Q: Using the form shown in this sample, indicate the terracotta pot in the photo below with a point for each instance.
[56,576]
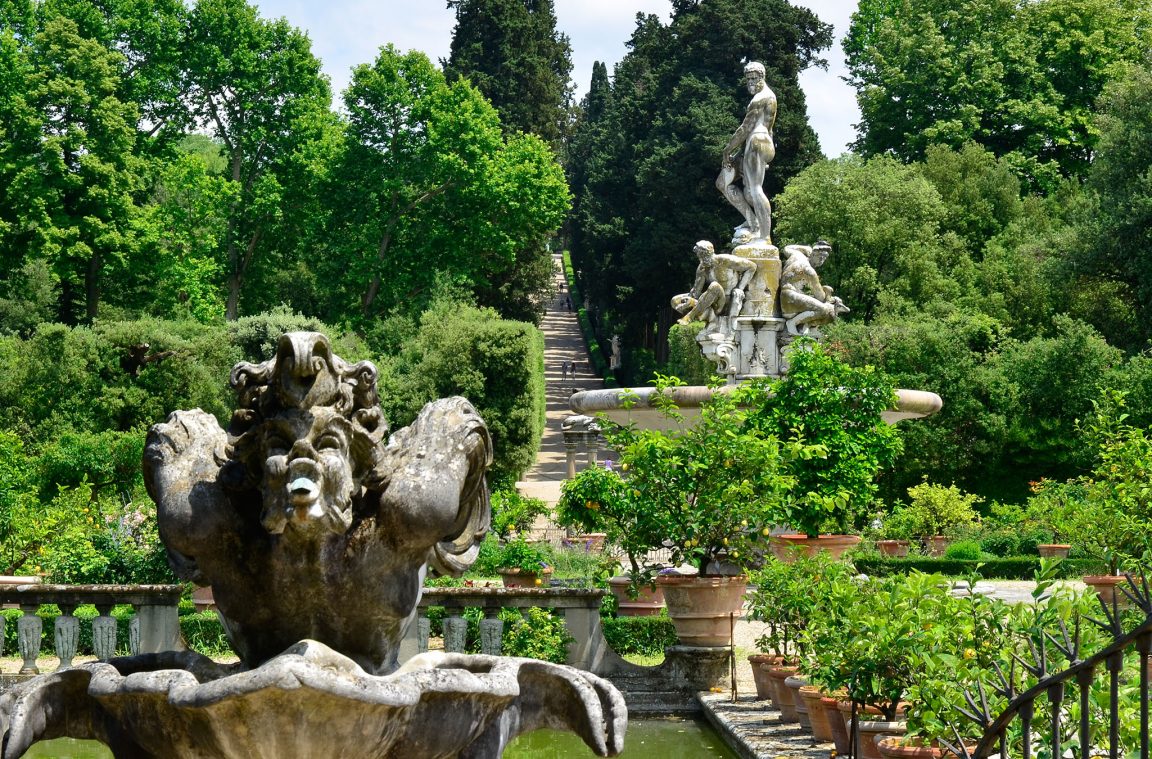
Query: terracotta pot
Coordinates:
[817,715]
[647,604]
[863,714]
[870,732]
[518,578]
[787,547]
[784,702]
[795,683]
[836,725]
[760,664]
[897,548]
[203,599]
[895,748]
[703,609]
[938,544]
[1106,587]
[1053,550]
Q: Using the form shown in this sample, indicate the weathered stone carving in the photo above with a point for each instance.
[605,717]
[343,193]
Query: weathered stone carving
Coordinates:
[315,529]
[805,303]
[305,522]
[751,305]
[719,289]
[753,144]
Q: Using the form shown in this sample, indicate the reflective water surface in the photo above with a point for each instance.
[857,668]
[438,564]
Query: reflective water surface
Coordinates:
[646,739]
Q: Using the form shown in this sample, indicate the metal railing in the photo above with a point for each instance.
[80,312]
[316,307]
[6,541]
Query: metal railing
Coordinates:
[1015,727]
[155,626]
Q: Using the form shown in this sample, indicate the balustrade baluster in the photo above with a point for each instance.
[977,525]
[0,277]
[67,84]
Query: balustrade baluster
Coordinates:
[491,632]
[3,622]
[423,631]
[1084,680]
[29,628]
[455,631]
[66,634]
[104,633]
[134,634]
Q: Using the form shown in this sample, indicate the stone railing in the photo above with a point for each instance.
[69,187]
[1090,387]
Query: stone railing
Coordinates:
[154,628]
[579,607]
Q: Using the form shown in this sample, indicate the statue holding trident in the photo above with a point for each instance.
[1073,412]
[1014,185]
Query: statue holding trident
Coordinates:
[753,138]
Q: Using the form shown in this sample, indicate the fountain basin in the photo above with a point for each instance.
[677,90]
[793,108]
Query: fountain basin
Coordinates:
[623,405]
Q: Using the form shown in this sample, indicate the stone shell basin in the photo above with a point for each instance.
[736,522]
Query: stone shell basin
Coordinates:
[613,403]
[311,701]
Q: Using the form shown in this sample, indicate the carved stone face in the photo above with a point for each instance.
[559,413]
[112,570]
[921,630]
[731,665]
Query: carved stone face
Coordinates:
[309,477]
[819,256]
[754,81]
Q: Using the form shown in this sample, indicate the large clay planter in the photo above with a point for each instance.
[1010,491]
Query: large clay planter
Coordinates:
[813,699]
[760,664]
[915,748]
[784,701]
[203,599]
[787,547]
[897,548]
[703,609]
[518,578]
[870,732]
[865,715]
[647,604]
[1053,550]
[1106,587]
[938,545]
[836,725]
[794,684]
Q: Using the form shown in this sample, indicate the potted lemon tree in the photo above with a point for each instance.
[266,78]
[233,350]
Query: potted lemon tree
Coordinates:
[707,491]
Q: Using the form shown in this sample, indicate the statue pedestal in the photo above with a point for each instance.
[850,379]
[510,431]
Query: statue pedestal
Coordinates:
[747,347]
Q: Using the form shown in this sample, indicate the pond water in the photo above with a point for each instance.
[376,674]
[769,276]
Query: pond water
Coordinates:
[646,739]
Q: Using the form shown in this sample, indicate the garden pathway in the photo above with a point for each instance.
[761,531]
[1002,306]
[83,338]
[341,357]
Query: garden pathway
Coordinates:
[563,343]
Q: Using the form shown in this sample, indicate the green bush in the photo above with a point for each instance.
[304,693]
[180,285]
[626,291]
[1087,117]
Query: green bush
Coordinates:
[496,364]
[648,636]
[537,634]
[964,550]
[203,632]
[514,513]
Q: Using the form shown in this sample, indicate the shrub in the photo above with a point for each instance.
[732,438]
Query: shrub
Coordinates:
[964,550]
[203,632]
[1013,568]
[933,510]
[648,636]
[538,634]
[514,513]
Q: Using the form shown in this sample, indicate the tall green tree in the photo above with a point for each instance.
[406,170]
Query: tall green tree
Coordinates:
[1116,233]
[255,85]
[652,159]
[1019,78]
[512,52]
[428,192]
[68,165]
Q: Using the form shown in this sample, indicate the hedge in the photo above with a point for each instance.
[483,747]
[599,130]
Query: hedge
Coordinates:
[595,351]
[1013,568]
[648,636]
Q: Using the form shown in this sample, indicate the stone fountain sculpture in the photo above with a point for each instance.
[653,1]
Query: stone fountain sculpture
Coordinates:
[315,528]
[752,303]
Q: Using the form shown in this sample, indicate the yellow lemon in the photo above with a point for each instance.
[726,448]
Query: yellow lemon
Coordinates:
[539,581]
[766,532]
[969,653]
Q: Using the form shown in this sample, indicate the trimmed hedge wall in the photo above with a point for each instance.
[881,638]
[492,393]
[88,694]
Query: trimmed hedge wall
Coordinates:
[1014,568]
[639,635]
[595,352]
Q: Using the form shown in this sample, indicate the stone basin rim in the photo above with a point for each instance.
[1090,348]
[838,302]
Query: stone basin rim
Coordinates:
[910,404]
